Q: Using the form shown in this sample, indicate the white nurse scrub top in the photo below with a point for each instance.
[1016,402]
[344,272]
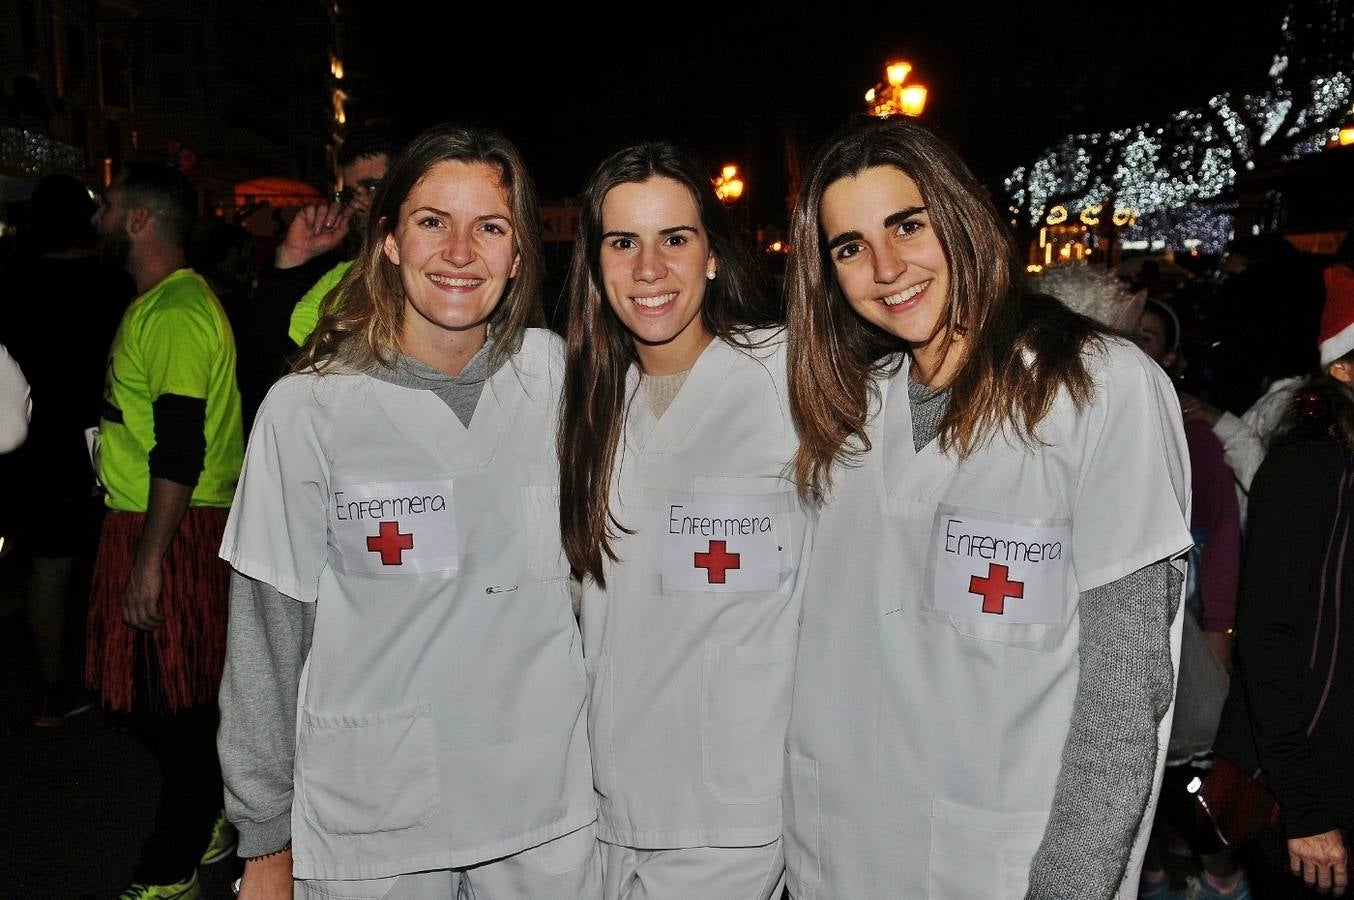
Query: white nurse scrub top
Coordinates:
[442,714]
[937,663]
[690,648]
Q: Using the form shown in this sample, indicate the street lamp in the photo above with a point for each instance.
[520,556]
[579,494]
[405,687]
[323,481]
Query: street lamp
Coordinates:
[729,186]
[893,97]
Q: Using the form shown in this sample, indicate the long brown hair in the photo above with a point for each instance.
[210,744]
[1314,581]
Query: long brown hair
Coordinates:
[835,356]
[599,350]
[363,314]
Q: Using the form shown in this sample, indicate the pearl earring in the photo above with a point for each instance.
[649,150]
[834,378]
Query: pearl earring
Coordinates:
[710,275]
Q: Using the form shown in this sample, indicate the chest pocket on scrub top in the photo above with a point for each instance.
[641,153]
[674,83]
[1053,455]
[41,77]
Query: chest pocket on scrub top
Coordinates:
[999,577]
[390,528]
[729,535]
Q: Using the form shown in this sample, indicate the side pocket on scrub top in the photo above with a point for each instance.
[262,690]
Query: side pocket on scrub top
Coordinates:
[980,854]
[745,705]
[369,773]
[802,823]
[600,718]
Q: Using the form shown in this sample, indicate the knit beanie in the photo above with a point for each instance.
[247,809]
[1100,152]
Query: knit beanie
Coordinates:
[1337,317]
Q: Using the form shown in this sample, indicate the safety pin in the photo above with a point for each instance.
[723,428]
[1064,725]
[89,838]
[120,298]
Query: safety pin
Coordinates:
[500,589]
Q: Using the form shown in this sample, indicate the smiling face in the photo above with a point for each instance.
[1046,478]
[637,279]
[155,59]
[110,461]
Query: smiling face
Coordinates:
[455,248]
[887,257]
[655,261]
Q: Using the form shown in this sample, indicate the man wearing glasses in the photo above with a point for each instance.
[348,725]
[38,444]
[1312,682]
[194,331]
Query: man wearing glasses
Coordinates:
[312,258]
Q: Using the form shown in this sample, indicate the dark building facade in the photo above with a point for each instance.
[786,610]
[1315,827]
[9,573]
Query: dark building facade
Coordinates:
[228,91]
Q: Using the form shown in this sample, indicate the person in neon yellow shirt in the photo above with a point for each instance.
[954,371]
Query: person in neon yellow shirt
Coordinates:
[170,452]
[318,231]
[314,255]
[306,314]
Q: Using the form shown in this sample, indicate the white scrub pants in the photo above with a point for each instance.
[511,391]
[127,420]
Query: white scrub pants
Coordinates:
[711,873]
[567,868]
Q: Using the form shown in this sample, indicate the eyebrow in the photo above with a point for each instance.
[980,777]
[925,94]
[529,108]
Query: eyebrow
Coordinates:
[902,215]
[445,214]
[890,220]
[845,237]
[663,231]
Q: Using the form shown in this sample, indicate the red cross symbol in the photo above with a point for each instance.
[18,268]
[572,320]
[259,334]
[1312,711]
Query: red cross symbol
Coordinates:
[390,544]
[716,562]
[995,588]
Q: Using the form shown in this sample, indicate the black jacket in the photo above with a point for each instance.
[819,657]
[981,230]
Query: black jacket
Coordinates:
[1292,710]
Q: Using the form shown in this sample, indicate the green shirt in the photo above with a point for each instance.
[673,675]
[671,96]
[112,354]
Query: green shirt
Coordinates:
[173,339]
[306,314]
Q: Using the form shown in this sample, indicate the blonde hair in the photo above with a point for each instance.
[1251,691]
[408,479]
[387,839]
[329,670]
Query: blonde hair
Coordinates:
[361,317]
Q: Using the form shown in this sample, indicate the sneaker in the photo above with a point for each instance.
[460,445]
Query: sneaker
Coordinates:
[179,890]
[1202,889]
[224,840]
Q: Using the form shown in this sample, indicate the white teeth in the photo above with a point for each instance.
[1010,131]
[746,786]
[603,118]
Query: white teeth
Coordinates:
[655,302]
[454,282]
[895,299]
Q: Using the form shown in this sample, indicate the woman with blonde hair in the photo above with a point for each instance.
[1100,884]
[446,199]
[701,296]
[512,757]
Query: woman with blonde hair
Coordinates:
[403,708]
[985,656]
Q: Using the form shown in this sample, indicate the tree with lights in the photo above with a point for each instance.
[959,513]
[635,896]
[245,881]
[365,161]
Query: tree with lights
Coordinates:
[1164,179]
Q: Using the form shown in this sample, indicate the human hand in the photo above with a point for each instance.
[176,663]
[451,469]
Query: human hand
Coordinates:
[1321,860]
[313,231]
[267,877]
[1197,410]
[141,597]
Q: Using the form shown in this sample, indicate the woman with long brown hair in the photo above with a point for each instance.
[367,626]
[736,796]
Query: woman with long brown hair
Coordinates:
[401,636]
[674,438]
[985,652]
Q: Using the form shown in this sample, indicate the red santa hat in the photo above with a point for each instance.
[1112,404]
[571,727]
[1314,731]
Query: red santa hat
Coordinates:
[1337,318]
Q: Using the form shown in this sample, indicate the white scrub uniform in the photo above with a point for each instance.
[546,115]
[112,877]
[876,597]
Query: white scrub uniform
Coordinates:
[690,648]
[441,712]
[937,662]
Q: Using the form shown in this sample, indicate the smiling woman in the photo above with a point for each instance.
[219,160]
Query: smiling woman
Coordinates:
[399,479]
[1002,486]
[455,247]
[674,439]
[446,247]
[893,273]
[655,261]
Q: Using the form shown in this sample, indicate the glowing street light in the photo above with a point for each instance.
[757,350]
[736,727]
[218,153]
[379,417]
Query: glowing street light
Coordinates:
[912,100]
[893,97]
[729,186]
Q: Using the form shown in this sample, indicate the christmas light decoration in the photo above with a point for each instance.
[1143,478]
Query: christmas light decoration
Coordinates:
[1167,172]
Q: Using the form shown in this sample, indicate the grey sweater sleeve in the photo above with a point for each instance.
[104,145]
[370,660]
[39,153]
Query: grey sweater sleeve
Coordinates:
[1124,689]
[267,643]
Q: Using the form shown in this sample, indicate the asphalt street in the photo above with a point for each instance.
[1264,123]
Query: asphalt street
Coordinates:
[75,801]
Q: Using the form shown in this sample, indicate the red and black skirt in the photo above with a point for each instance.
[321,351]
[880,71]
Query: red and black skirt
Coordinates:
[178,664]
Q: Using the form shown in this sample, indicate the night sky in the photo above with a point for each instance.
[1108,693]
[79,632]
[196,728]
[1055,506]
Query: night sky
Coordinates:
[729,81]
